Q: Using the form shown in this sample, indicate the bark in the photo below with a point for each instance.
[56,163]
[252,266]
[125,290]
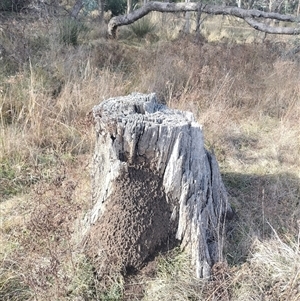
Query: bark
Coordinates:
[198,22]
[129,6]
[245,14]
[271,29]
[76,8]
[187,25]
[154,184]
[101,8]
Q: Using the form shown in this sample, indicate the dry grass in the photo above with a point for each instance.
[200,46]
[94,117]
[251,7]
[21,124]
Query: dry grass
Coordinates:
[247,96]
[272,273]
[175,280]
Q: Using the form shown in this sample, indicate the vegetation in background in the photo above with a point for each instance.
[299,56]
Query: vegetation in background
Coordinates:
[69,31]
[13,5]
[117,7]
[242,87]
[142,27]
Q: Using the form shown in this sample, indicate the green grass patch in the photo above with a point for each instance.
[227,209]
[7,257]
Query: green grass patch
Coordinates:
[69,31]
[11,182]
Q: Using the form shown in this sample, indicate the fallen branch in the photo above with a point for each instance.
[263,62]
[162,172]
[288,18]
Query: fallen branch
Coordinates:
[248,15]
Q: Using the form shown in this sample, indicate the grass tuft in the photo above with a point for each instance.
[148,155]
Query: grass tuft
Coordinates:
[142,28]
[69,31]
[272,271]
[175,280]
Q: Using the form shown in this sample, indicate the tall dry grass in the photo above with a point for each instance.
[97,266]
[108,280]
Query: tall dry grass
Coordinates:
[245,95]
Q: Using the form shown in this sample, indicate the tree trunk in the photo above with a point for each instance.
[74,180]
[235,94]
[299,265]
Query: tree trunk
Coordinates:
[101,9]
[271,5]
[187,25]
[129,6]
[154,186]
[250,16]
[76,8]
[198,23]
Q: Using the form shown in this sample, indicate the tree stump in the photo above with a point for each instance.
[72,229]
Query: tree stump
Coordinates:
[154,184]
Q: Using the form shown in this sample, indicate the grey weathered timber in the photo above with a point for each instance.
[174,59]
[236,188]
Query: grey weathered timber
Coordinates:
[251,16]
[153,183]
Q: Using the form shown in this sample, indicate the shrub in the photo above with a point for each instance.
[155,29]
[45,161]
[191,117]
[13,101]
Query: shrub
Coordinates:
[13,5]
[142,27]
[69,30]
[117,7]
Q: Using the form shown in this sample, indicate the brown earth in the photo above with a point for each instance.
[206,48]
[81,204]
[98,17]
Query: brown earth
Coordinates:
[135,225]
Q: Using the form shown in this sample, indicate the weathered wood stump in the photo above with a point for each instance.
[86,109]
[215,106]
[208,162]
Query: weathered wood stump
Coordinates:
[153,184]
